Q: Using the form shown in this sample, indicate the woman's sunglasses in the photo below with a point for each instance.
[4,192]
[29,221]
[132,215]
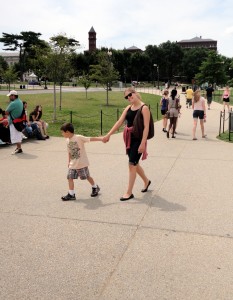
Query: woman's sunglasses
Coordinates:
[129,95]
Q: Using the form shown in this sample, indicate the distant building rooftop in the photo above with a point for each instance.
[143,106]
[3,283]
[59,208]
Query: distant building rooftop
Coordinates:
[198,42]
[133,49]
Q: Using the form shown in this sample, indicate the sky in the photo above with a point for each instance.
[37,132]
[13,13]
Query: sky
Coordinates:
[121,24]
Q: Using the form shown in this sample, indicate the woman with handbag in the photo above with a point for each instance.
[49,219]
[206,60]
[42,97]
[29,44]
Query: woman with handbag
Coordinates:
[135,145]
[164,108]
[174,111]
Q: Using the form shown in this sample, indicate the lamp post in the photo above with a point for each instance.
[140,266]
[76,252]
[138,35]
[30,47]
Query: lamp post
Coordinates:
[109,53]
[125,76]
[157,66]
[21,62]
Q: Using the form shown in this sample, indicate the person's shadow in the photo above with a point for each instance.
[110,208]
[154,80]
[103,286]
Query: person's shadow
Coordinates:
[26,156]
[148,198]
[165,205]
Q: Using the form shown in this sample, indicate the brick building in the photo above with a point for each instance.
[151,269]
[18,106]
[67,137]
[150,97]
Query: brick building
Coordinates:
[198,42]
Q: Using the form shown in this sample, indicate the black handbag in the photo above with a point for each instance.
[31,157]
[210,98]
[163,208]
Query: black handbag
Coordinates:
[138,125]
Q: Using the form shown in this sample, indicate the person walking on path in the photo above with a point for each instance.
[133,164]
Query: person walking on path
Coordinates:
[199,111]
[164,108]
[209,95]
[14,110]
[226,98]
[135,146]
[189,96]
[174,111]
[77,160]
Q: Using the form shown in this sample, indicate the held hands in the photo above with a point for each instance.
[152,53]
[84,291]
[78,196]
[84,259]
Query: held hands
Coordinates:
[106,138]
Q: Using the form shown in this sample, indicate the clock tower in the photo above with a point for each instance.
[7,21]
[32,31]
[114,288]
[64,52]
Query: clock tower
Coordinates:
[92,39]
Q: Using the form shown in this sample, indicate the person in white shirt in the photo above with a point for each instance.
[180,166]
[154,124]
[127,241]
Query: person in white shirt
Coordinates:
[199,112]
[77,160]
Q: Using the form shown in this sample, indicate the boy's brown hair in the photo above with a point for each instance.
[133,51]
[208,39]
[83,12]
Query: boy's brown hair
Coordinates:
[67,127]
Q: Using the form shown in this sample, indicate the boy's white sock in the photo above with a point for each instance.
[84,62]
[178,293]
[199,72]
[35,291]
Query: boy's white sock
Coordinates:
[71,192]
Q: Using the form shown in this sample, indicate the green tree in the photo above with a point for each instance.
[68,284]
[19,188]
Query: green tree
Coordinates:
[58,63]
[104,72]
[25,42]
[85,81]
[3,67]
[9,76]
[191,62]
[39,64]
[212,70]
[139,66]
[170,60]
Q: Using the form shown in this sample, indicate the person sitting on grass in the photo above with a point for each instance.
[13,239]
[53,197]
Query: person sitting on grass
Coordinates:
[35,117]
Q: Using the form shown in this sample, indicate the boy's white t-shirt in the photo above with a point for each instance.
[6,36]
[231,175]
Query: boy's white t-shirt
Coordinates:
[77,151]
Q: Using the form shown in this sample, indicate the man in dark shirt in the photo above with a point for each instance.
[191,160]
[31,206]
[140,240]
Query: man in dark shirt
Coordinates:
[209,95]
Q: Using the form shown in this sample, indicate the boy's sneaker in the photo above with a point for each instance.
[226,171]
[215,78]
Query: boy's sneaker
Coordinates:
[68,197]
[95,191]
[17,150]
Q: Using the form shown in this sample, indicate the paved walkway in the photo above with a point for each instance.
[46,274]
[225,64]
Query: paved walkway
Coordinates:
[173,242]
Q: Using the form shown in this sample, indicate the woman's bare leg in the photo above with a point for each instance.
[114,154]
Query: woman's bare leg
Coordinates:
[132,177]
[142,174]
[194,127]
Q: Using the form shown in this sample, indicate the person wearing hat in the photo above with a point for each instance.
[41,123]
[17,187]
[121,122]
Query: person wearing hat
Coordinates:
[14,110]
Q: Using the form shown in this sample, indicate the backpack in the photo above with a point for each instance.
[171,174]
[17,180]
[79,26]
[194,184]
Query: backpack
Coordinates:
[138,125]
[20,122]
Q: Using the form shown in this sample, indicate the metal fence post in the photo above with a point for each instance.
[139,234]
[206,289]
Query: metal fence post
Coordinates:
[157,110]
[101,122]
[220,123]
[71,118]
[223,125]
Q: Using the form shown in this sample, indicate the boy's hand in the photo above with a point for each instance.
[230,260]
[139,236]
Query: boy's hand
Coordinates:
[106,138]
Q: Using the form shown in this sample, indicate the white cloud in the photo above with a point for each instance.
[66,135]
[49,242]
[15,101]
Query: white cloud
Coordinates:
[228,31]
[124,23]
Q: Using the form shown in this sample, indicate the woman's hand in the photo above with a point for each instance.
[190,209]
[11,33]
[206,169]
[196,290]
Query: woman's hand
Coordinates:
[106,138]
[142,147]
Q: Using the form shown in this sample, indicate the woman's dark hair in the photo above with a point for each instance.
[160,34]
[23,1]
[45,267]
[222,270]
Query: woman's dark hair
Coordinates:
[67,127]
[173,93]
[35,111]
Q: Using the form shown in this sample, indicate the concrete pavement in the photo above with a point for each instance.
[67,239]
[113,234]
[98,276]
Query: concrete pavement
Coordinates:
[173,242]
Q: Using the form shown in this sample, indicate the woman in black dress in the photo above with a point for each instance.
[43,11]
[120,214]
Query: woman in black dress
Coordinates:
[135,146]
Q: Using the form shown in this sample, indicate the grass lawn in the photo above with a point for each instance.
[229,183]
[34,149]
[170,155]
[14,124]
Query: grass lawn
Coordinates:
[225,137]
[86,113]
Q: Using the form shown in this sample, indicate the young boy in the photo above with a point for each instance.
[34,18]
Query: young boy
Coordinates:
[77,160]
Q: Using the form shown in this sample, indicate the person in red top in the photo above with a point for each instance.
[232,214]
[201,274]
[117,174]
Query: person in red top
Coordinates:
[4,129]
